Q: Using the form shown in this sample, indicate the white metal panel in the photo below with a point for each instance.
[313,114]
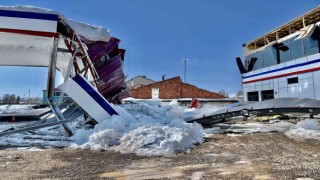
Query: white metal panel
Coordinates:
[252,88]
[245,96]
[266,82]
[301,60]
[275,88]
[292,76]
[280,65]
[306,82]
[259,83]
[271,86]
[316,82]
[246,89]
[313,57]
[257,71]
[272,67]
[290,63]
[259,88]
[283,92]
[293,91]
[28,24]
[282,79]
[283,84]
[266,87]
[264,69]
[82,95]
[306,91]
[305,75]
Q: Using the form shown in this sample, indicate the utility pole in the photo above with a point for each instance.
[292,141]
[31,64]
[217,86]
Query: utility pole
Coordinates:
[185,70]
[29,97]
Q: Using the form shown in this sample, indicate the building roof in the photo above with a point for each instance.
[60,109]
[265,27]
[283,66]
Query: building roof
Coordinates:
[295,25]
[141,76]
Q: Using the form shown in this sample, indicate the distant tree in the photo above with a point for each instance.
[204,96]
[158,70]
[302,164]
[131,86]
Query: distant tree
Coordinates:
[6,99]
[12,99]
[18,100]
[239,93]
[223,93]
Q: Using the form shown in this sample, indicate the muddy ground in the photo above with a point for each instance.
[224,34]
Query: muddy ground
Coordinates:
[222,156]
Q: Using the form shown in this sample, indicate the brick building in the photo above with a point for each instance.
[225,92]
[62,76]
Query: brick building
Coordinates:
[172,88]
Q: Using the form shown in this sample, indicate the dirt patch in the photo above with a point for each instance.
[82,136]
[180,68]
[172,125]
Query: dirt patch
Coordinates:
[251,156]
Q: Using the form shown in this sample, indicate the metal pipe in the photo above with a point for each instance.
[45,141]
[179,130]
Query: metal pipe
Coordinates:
[52,70]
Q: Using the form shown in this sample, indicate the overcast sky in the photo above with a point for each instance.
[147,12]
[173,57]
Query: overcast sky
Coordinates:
[159,34]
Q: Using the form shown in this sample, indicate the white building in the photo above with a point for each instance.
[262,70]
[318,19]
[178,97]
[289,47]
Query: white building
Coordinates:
[284,62]
[139,81]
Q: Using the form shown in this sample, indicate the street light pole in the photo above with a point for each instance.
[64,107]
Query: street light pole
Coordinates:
[185,70]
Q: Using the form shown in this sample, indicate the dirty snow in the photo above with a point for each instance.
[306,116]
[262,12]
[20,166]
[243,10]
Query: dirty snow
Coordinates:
[307,129]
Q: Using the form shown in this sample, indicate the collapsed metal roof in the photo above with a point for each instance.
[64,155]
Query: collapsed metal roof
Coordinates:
[27,39]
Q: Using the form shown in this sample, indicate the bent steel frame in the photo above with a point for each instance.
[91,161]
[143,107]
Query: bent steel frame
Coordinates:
[270,107]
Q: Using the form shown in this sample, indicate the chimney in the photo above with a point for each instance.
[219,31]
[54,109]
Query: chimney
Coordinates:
[163,76]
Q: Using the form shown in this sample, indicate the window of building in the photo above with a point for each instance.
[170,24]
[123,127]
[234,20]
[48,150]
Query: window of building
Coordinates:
[268,94]
[269,57]
[57,93]
[285,55]
[310,46]
[296,49]
[259,62]
[293,80]
[253,96]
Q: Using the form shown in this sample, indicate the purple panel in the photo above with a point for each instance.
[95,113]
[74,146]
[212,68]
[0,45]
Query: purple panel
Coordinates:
[112,80]
[97,50]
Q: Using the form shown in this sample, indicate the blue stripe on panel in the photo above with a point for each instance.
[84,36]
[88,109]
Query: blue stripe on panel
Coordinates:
[94,94]
[29,15]
[284,68]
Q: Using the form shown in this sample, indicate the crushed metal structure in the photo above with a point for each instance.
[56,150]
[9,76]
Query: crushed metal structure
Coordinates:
[89,59]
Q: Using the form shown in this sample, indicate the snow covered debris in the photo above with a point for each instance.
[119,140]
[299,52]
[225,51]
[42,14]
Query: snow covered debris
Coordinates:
[144,128]
[248,128]
[307,129]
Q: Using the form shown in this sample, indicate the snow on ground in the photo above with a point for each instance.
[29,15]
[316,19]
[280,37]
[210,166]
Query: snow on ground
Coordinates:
[144,128]
[12,109]
[307,129]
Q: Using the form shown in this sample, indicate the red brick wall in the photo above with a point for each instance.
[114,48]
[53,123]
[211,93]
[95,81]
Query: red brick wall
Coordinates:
[190,91]
[172,89]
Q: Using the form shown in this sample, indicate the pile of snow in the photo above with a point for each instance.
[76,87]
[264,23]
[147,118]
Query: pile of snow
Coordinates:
[307,129]
[13,109]
[144,128]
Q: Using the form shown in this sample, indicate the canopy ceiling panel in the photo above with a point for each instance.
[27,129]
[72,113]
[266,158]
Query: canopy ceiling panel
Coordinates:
[24,50]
